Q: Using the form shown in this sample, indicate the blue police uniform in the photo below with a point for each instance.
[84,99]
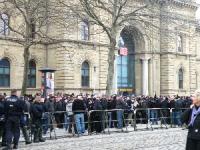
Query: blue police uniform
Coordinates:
[14,108]
[37,110]
[2,123]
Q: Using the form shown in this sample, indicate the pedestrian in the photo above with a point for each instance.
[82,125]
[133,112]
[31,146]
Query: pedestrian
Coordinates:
[59,114]
[192,118]
[69,118]
[97,115]
[14,108]
[37,110]
[78,108]
[2,121]
[120,106]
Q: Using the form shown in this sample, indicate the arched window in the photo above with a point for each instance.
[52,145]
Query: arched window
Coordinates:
[85,30]
[4,73]
[180,43]
[180,78]
[85,74]
[126,62]
[4,21]
[31,74]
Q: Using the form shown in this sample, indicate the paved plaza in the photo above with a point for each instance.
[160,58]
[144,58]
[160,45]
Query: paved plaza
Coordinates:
[159,139]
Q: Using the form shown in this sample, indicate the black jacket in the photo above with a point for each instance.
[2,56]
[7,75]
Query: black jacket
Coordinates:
[37,109]
[194,131]
[14,106]
[2,112]
[49,105]
[78,106]
[59,106]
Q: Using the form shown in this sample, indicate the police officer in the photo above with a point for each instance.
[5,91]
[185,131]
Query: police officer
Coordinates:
[24,121]
[14,108]
[2,121]
[37,110]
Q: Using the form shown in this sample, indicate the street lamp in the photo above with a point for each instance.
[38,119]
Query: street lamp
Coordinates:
[45,71]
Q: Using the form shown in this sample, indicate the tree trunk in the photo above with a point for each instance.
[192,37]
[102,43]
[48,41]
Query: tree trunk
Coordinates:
[111,59]
[25,74]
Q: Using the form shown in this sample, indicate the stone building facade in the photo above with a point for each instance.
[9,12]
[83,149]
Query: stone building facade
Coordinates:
[163,59]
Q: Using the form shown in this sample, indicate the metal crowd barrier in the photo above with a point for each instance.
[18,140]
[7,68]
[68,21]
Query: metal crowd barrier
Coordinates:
[151,118]
[175,114]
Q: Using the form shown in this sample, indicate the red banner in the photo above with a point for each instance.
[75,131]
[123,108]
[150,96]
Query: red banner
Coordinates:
[123,51]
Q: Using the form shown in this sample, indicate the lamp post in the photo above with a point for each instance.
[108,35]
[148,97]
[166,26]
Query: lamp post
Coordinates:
[45,71]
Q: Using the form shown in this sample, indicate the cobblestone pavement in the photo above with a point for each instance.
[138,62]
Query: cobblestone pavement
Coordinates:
[159,139]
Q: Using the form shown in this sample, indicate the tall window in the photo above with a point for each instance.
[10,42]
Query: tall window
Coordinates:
[180,78]
[126,63]
[4,73]
[85,30]
[4,21]
[125,71]
[85,74]
[31,75]
[180,43]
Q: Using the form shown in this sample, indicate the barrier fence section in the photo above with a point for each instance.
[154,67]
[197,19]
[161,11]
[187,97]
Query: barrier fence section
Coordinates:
[105,121]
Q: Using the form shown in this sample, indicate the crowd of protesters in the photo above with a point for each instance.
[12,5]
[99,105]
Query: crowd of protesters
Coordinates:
[70,111]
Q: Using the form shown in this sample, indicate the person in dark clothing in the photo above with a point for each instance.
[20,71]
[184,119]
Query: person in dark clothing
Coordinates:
[114,113]
[178,105]
[165,113]
[153,111]
[96,116]
[24,120]
[109,107]
[104,103]
[145,113]
[78,108]
[48,116]
[187,102]
[120,105]
[192,118]
[172,107]
[59,115]
[14,108]
[37,110]
[2,121]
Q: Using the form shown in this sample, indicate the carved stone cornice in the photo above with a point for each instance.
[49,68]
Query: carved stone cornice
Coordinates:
[183,3]
[164,53]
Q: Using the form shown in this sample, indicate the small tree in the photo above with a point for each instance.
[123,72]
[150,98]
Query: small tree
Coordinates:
[28,25]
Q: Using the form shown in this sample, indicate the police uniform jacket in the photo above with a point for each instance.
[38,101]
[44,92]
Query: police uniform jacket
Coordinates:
[193,131]
[2,111]
[37,110]
[14,106]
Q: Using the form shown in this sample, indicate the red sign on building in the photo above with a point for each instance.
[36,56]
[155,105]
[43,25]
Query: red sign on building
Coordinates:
[123,51]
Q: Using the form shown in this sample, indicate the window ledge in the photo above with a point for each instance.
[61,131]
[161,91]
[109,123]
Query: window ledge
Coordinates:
[182,90]
[86,88]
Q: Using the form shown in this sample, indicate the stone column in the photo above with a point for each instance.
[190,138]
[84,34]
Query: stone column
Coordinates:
[145,76]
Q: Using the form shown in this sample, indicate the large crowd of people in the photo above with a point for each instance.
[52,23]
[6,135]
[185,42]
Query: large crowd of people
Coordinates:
[81,113]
